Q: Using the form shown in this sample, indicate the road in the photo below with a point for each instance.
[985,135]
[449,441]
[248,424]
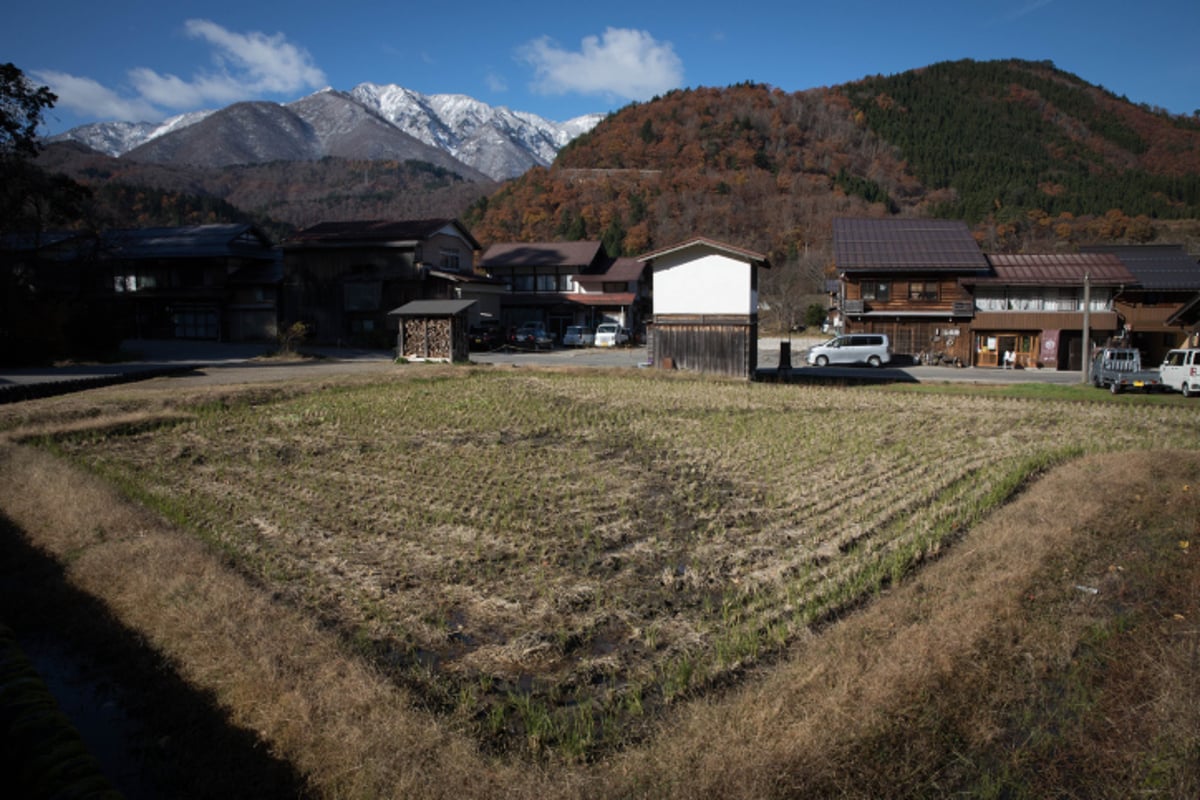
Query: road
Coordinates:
[242,363]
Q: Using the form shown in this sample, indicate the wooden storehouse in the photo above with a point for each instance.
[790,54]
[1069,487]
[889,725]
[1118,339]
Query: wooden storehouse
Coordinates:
[705,307]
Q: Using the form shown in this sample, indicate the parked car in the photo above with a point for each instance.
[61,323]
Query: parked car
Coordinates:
[485,337]
[610,334]
[578,336]
[533,335]
[1180,371]
[854,348]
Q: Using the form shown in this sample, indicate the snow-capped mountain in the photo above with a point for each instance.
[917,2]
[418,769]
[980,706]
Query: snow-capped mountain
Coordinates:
[496,142]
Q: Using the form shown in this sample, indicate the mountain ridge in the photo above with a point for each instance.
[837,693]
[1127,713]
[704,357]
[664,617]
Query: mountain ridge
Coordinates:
[486,140]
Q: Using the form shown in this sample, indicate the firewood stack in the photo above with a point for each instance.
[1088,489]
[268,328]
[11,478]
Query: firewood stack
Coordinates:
[427,338]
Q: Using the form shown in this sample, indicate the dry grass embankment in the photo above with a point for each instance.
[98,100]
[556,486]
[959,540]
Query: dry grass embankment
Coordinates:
[423,583]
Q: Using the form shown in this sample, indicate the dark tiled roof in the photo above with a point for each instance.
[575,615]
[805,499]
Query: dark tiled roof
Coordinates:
[374,231]
[535,254]
[1163,267]
[621,270]
[866,245]
[701,242]
[1063,269]
[191,241]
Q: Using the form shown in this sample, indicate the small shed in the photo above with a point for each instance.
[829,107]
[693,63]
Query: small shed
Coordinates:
[706,307]
[433,330]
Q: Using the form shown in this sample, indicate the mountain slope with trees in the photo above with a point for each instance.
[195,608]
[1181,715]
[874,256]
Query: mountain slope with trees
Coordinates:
[1031,155]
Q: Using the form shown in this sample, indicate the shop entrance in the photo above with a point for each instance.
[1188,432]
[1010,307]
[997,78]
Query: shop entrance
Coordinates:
[990,349]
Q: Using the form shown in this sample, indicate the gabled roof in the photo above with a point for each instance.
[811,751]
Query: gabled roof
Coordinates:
[541,254]
[432,308]
[886,245]
[1163,267]
[190,241]
[704,243]
[1062,269]
[388,232]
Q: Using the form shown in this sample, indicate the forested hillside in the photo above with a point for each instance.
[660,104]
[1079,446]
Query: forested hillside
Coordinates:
[279,196]
[1030,155]
[1028,136]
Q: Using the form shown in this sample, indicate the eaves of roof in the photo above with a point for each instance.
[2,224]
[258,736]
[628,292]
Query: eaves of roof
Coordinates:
[605,299]
[432,308]
[704,243]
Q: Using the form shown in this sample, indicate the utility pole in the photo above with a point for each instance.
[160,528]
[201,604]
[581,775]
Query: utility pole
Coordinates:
[1087,333]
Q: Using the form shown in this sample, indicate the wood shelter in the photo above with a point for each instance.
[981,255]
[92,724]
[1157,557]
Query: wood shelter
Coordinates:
[433,330]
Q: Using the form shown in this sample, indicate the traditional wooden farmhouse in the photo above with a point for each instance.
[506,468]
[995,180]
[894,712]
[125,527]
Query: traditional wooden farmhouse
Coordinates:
[343,278]
[927,285]
[1154,309]
[1040,307]
[705,307]
[567,283]
[218,282]
[433,330]
[901,277]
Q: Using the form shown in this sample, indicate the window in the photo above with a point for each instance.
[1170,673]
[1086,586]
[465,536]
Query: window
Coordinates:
[880,291]
[449,259]
[522,283]
[923,291]
[547,283]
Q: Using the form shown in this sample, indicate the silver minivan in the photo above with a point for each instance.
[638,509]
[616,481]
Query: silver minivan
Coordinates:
[1180,371]
[852,348]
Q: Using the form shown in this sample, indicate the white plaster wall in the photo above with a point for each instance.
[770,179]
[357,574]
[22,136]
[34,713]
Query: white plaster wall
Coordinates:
[708,284]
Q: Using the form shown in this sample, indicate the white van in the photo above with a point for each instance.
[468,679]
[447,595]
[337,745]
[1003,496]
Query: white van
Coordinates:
[853,348]
[1180,371]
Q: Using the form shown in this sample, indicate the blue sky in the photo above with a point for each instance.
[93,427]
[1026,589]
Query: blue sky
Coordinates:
[129,60]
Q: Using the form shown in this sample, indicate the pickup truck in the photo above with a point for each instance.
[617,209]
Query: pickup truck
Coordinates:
[1120,368]
[1180,371]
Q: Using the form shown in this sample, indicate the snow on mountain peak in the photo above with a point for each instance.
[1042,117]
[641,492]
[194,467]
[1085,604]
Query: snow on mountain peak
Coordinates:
[497,141]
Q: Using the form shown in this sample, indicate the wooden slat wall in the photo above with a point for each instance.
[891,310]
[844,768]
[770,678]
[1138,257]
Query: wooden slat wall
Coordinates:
[715,345]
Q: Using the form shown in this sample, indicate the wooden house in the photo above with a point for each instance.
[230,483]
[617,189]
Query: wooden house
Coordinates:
[342,278]
[1040,308]
[705,297]
[1153,310]
[217,282]
[928,286]
[567,283]
[902,277]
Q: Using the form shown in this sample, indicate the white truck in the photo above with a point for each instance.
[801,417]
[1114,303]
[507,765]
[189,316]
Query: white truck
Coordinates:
[1120,368]
[1180,371]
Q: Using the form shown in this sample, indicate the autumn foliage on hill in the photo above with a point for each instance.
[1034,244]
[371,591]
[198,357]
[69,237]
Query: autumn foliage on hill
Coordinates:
[1030,155]
[745,164]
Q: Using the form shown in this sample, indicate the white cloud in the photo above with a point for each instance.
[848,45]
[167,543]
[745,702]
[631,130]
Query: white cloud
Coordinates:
[496,82]
[87,98]
[247,66]
[625,63]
